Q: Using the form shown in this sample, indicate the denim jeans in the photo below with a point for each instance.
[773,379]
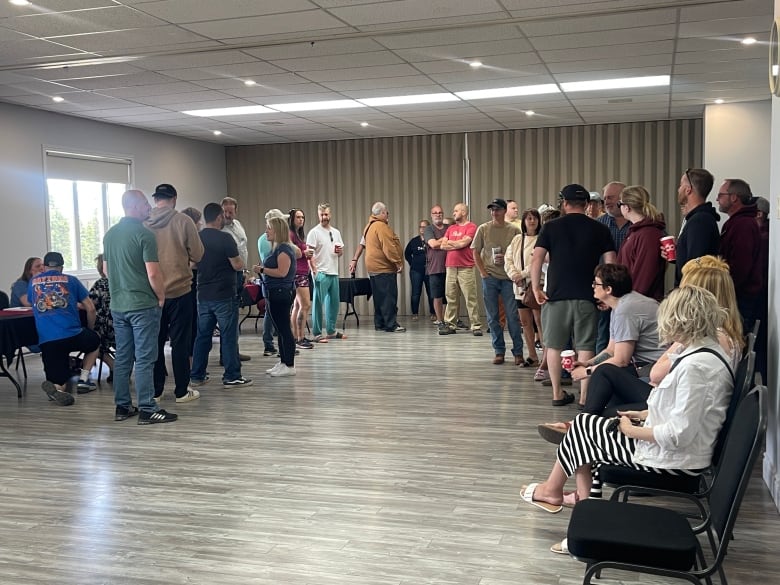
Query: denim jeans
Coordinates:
[326,296]
[175,325]
[136,341]
[492,289]
[384,288]
[418,279]
[225,314]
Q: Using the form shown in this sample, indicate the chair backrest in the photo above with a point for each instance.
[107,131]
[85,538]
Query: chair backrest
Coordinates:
[743,445]
[743,378]
[4,301]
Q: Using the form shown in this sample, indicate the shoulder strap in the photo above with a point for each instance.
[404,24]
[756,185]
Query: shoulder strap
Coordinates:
[522,252]
[706,350]
[368,227]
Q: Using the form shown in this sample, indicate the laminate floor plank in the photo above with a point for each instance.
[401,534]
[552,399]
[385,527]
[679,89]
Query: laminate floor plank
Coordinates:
[390,459]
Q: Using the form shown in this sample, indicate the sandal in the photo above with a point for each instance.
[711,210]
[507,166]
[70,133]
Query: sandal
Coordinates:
[541,375]
[531,363]
[553,432]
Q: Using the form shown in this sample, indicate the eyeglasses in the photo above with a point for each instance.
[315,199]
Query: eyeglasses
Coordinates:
[621,204]
[331,235]
[688,176]
[594,284]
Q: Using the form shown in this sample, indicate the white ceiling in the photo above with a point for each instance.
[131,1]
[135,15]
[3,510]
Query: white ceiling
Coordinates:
[141,62]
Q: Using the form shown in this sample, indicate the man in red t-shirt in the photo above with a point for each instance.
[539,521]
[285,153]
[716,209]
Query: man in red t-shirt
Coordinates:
[460,271]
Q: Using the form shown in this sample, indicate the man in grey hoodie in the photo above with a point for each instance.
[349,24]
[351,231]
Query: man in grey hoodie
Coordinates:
[178,244]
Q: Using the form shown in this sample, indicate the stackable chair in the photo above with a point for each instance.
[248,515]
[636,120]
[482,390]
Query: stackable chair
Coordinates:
[625,536]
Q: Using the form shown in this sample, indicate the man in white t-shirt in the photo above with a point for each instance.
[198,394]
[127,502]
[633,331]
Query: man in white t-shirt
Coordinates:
[327,246]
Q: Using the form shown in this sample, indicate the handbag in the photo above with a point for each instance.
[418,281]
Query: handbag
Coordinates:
[529,299]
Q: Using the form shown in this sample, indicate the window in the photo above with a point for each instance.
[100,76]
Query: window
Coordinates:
[84,196]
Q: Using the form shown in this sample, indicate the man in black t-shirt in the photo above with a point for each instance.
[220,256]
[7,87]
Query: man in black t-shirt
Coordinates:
[217,303]
[575,244]
[435,259]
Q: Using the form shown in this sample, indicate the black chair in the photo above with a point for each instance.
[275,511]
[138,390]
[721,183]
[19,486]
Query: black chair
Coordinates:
[631,537]
[5,302]
[618,475]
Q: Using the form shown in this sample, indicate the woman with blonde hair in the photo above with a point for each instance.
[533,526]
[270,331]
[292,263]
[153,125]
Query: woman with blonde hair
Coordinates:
[640,249]
[518,269]
[278,274]
[676,433]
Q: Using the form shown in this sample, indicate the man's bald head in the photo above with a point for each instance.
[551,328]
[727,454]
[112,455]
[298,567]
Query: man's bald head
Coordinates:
[135,204]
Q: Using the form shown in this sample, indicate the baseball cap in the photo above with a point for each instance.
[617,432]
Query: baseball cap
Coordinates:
[164,191]
[762,204]
[595,196]
[53,260]
[497,204]
[575,192]
[276,213]
[544,207]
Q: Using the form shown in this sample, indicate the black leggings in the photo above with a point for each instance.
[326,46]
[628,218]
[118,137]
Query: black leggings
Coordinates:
[611,386]
[279,300]
[55,354]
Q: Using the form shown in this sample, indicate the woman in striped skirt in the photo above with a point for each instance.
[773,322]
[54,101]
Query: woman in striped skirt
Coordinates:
[677,432]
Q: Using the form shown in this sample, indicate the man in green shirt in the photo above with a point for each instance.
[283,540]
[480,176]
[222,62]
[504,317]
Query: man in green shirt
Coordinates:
[137,294]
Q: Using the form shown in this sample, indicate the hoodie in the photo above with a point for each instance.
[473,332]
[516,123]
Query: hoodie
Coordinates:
[740,246]
[640,253]
[383,248]
[698,237]
[178,244]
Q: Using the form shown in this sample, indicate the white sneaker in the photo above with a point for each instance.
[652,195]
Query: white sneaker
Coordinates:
[276,367]
[189,396]
[283,370]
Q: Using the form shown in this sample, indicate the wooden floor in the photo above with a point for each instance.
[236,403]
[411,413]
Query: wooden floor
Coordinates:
[390,459]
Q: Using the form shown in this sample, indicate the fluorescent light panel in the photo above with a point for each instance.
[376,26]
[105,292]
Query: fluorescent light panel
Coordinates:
[237,111]
[313,106]
[624,83]
[404,100]
[520,90]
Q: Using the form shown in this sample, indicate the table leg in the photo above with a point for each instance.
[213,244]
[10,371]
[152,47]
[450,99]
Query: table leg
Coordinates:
[4,373]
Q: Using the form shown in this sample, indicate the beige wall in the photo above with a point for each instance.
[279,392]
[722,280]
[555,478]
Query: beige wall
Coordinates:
[411,173]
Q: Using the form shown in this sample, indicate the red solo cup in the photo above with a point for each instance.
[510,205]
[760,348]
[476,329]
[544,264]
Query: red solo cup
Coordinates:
[337,248]
[567,359]
[669,247]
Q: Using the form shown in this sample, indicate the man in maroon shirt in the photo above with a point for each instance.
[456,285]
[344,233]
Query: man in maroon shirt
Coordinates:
[740,246]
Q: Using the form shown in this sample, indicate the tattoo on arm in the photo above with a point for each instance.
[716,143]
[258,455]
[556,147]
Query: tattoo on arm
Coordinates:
[602,357]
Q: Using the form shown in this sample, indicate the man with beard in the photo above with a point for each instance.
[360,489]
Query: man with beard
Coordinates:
[435,261]
[699,234]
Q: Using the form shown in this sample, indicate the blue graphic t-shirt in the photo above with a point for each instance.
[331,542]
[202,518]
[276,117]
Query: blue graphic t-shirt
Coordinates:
[54,297]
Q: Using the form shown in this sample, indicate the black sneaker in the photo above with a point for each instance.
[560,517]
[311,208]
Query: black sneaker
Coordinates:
[445,329]
[58,396]
[150,418]
[85,386]
[123,413]
[270,351]
[461,325]
[243,357]
[477,332]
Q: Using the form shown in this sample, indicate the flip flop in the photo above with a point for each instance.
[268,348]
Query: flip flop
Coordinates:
[552,432]
[528,497]
[570,499]
[560,548]
[530,363]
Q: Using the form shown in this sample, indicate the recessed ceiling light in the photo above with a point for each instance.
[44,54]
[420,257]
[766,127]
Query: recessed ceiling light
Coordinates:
[19,2]
[217,132]
[364,124]
[237,111]
[250,83]
[530,113]
[404,100]
[719,101]
[481,94]
[58,99]
[624,83]
[475,64]
[749,41]
[314,106]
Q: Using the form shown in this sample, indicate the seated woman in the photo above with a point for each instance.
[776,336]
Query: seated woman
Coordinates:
[633,344]
[32,267]
[104,323]
[677,432]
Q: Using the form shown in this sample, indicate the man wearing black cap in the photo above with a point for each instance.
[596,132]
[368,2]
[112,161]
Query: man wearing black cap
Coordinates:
[489,245]
[575,243]
[178,244]
[55,299]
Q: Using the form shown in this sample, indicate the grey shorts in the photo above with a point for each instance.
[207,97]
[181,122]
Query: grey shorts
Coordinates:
[564,319]
[436,282]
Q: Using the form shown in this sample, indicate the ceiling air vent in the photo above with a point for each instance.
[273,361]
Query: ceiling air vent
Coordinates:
[272,123]
[620,101]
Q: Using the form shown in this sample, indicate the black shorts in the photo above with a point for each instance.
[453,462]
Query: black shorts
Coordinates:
[436,284]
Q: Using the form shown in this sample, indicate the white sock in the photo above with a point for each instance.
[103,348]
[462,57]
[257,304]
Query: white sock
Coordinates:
[84,377]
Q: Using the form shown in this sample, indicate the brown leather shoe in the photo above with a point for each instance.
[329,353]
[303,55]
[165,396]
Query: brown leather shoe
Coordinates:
[499,359]
[519,361]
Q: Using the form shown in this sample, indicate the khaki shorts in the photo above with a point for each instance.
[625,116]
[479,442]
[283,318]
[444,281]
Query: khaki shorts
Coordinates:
[564,319]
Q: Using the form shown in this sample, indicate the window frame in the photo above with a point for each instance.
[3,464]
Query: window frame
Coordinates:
[82,272]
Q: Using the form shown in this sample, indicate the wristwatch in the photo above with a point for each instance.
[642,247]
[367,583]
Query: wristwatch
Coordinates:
[588,370]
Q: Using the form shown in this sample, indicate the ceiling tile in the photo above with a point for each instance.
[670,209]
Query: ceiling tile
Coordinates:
[83,21]
[270,25]
[158,37]
[181,11]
